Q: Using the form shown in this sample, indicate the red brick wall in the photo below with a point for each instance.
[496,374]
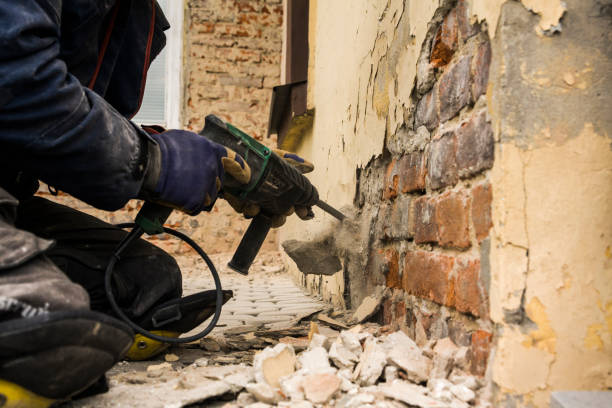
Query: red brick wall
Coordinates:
[434,206]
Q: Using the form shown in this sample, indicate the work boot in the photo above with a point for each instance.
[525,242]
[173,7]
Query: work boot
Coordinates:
[51,345]
[147,281]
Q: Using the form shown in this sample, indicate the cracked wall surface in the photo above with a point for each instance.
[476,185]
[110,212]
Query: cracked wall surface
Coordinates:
[545,269]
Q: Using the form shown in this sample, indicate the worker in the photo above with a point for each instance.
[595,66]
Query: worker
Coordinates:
[72,74]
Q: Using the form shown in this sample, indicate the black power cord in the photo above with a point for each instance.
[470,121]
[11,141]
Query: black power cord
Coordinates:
[136,233]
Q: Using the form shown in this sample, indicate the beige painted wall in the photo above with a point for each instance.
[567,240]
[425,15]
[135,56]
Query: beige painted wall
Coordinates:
[551,262]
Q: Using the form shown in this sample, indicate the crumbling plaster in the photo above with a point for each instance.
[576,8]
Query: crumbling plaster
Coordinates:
[550,256]
[551,286]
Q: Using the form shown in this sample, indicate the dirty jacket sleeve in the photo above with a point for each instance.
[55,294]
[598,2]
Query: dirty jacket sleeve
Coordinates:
[51,126]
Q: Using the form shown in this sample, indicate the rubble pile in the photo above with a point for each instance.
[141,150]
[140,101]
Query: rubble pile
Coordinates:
[359,369]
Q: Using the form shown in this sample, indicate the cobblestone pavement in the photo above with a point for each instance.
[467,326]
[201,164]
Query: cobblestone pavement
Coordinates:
[266,298]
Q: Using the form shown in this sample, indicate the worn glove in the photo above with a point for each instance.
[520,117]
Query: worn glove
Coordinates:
[250,209]
[186,170]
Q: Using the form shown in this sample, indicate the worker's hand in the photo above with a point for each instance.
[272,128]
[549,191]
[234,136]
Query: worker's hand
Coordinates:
[250,210]
[186,170]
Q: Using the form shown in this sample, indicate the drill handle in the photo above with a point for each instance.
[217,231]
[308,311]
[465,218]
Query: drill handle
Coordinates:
[250,244]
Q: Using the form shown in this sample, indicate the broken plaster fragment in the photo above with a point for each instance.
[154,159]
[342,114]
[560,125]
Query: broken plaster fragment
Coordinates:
[272,363]
[319,388]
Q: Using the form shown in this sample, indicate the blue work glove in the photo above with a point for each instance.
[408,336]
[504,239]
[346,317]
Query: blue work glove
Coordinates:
[186,170]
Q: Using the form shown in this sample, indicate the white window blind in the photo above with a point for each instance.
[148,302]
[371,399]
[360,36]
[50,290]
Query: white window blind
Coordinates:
[160,101]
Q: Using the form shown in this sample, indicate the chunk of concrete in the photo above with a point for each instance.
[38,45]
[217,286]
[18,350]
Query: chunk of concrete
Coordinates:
[314,360]
[403,352]
[272,363]
[369,305]
[463,393]
[264,393]
[411,394]
[352,341]
[371,363]
[439,389]
[444,356]
[313,257]
[291,386]
[341,356]
[355,400]
[319,388]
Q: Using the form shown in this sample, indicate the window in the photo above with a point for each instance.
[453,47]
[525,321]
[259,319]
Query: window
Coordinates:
[161,102]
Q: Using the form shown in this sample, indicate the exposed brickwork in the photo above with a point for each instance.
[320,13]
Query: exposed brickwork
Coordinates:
[413,170]
[426,274]
[441,163]
[445,41]
[481,346]
[431,202]
[480,70]
[427,110]
[425,229]
[468,298]
[452,220]
[391,181]
[474,145]
[482,196]
[454,88]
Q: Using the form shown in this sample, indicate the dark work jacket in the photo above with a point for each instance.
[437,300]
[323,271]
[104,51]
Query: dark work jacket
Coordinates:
[71,74]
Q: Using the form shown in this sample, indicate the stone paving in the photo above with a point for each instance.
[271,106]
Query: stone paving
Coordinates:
[266,298]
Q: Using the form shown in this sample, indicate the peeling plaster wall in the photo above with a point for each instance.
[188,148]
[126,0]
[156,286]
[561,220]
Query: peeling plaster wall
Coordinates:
[551,287]
[358,99]
[549,255]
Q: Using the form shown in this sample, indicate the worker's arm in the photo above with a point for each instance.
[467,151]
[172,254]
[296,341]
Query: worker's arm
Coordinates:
[50,125]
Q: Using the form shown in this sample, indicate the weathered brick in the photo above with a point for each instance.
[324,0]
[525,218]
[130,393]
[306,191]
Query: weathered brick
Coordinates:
[400,220]
[425,228]
[468,296]
[482,196]
[455,88]
[387,311]
[426,274]
[480,69]
[427,110]
[452,220]
[441,164]
[390,258]
[445,41]
[383,221]
[413,170]
[475,145]
[391,181]
[481,347]
[466,28]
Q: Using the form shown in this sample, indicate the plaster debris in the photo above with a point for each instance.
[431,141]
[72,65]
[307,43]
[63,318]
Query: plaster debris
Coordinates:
[341,356]
[273,363]
[319,388]
[314,360]
[332,322]
[368,307]
[264,393]
[171,357]
[411,394]
[365,366]
[372,362]
[404,353]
